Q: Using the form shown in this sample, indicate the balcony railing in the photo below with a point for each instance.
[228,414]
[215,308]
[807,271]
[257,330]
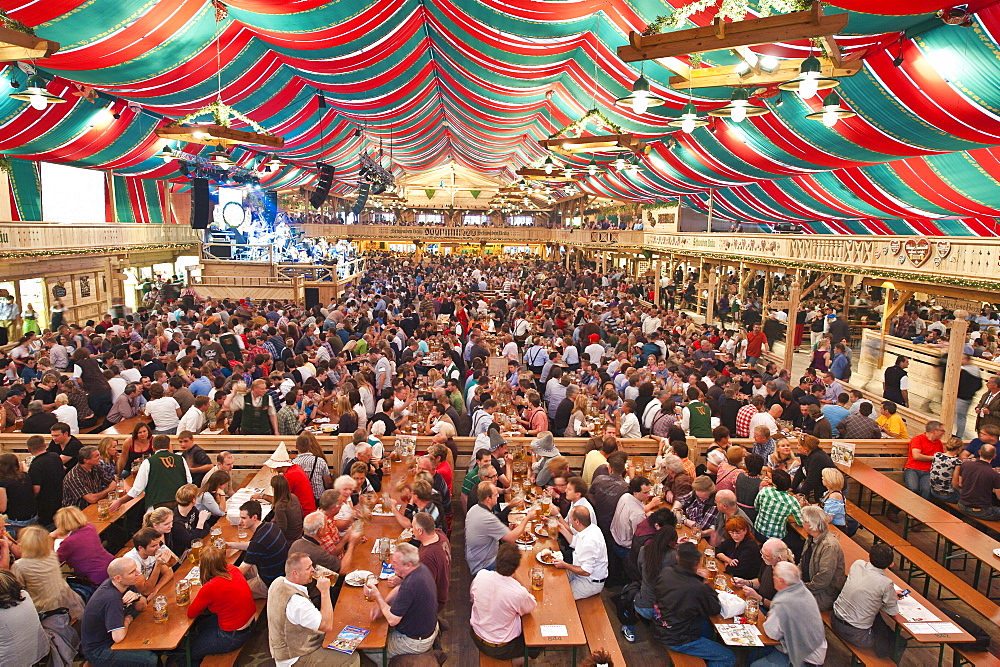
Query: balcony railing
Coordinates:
[19,236]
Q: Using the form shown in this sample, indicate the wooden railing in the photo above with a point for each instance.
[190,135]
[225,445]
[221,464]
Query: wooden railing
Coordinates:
[55,236]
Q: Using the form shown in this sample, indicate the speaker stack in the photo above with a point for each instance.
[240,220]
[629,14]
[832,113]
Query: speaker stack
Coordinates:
[364,188]
[201,206]
[270,206]
[322,185]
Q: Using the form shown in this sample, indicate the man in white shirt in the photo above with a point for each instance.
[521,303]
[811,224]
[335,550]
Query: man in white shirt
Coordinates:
[628,427]
[295,627]
[153,567]
[652,409]
[595,350]
[767,418]
[589,569]
[194,419]
[576,494]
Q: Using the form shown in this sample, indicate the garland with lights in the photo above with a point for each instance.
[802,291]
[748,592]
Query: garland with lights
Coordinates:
[736,10]
[93,251]
[578,125]
[5,163]
[223,114]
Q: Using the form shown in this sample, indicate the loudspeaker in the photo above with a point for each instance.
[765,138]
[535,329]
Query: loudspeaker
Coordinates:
[201,208]
[322,185]
[270,206]
[359,203]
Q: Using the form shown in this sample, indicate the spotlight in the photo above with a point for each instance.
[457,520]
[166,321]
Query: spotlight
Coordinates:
[768,63]
[320,100]
[14,83]
[116,115]
[743,69]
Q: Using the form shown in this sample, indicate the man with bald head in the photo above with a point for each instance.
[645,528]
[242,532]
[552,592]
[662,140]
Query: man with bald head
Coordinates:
[110,611]
[725,502]
[978,483]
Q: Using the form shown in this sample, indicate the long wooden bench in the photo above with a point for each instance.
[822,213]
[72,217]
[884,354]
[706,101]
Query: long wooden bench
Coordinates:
[229,659]
[487,661]
[914,561]
[880,531]
[964,656]
[684,660]
[601,634]
[993,525]
[859,656]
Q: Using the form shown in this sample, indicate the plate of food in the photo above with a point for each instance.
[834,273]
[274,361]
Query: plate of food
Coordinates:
[516,517]
[526,538]
[358,577]
[541,530]
[548,556]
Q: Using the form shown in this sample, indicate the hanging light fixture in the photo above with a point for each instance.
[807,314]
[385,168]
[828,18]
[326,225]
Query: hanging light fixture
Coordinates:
[167,154]
[36,95]
[810,79]
[832,111]
[619,163]
[640,99]
[593,167]
[567,173]
[633,167]
[739,107]
[220,157]
[689,119]
[548,165]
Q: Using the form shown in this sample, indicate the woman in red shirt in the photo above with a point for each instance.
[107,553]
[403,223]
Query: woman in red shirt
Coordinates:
[229,603]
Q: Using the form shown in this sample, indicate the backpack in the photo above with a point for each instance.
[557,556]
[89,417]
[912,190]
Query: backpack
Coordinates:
[625,604]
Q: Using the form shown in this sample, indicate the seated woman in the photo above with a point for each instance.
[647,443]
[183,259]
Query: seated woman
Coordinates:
[658,554]
[287,511]
[212,496]
[178,541]
[748,484]
[17,496]
[81,547]
[729,470]
[38,570]
[224,607]
[739,550]
[676,481]
[822,560]
[187,517]
[22,639]
[943,471]
[833,500]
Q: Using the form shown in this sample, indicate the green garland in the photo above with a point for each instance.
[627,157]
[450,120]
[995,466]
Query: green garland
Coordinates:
[855,270]
[580,124]
[223,115]
[5,163]
[92,251]
[13,24]
[736,10]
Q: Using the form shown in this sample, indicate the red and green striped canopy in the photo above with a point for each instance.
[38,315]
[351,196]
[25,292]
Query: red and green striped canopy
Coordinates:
[920,157]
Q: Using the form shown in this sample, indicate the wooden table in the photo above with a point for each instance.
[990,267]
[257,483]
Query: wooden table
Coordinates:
[145,635]
[126,426]
[351,607]
[975,542]
[853,552]
[556,605]
[911,504]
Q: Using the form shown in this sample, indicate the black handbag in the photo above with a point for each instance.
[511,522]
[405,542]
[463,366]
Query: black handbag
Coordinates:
[625,604]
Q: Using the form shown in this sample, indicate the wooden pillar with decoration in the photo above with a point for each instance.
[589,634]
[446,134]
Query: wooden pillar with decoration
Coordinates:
[848,285]
[711,300]
[953,370]
[794,298]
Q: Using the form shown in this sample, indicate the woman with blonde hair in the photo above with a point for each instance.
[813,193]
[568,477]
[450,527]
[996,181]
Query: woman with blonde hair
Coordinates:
[108,447]
[577,427]
[81,546]
[834,503]
[224,607]
[38,571]
[161,519]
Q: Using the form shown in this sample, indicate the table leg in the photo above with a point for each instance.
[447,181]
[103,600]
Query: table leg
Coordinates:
[897,652]
[906,525]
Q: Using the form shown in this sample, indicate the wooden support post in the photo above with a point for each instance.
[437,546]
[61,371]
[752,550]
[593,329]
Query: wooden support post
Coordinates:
[794,295]
[710,304]
[745,276]
[766,297]
[848,284]
[953,370]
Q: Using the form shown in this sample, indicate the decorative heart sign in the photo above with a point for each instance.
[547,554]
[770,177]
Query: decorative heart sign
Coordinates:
[917,250]
[895,245]
[943,248]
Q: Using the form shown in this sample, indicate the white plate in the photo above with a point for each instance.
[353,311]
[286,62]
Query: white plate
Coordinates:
[996,552]
[358,578]
[556,554]
[525,542]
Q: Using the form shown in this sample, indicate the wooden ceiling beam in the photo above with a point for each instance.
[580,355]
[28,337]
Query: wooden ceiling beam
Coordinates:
[726,76]
[833,50]
[721,35]
[16,45]
[539,175]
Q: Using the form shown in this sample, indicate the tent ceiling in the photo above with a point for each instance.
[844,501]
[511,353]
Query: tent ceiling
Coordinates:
[920,157]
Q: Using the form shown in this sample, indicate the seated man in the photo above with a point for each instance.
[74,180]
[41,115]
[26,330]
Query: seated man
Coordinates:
[686,603]
[312,527]
[868,591]
[498,603]
[266,552]
[295,628]
[110,611]
[153,569]
[795,621]
[87,482]
[410,608]
[589,569]
[978,483]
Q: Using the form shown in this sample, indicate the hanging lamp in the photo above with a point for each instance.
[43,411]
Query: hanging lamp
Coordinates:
[593,168]
[832,111]
[739,107]
[640,99]
[810,79]
[689,119]
[220,157]
[167,154]
[36,95]
[548,165]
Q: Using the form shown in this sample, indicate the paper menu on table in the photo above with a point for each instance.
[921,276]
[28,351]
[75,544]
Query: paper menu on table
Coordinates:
[914,612]
[738,634]
[554,631]
[933,628]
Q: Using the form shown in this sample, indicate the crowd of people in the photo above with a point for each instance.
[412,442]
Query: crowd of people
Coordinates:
[410,346]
